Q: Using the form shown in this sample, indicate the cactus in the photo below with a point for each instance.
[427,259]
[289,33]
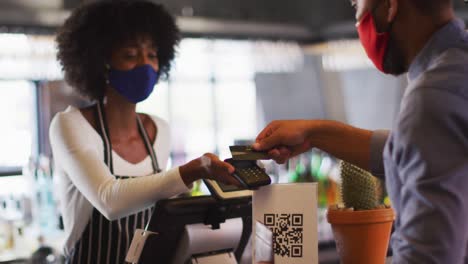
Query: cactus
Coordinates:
[359,189]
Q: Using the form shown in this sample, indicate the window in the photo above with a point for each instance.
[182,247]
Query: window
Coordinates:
[235,113]
[18,125]
[22,58]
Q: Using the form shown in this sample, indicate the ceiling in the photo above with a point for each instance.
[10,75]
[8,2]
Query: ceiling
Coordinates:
[304,20]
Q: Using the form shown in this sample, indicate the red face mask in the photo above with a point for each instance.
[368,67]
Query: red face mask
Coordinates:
[374,43]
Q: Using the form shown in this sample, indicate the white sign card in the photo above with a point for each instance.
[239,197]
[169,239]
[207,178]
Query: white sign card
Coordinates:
[287,215]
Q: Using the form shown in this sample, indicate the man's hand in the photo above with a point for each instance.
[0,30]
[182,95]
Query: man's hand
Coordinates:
[285,139]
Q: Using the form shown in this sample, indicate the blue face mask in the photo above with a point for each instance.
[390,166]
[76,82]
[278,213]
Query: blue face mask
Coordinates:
[135,84]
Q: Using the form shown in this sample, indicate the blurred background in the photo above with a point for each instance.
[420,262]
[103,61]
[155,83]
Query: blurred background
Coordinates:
[240,65]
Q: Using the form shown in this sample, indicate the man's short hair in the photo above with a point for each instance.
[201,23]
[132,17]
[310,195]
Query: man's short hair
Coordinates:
[431,7]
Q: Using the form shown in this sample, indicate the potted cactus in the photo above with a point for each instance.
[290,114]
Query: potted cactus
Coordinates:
[362,226]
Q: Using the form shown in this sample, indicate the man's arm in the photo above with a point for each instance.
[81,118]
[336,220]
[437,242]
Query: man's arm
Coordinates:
[377,145]
[430,155]
[285,139]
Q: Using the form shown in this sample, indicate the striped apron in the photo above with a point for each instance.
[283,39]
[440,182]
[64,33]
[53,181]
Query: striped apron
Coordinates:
[104,241]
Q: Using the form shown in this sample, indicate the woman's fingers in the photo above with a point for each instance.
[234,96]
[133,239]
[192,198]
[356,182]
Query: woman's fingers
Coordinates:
[219,170]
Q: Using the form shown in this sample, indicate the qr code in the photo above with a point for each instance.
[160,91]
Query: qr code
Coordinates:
[287,233]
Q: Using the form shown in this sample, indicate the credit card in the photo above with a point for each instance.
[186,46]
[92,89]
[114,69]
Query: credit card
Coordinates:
[247,153]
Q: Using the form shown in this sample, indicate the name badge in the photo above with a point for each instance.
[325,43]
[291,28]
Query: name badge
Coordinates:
[137,245]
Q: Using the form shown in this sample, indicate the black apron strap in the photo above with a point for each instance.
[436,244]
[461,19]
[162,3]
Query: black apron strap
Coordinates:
[149,147]
[104,133]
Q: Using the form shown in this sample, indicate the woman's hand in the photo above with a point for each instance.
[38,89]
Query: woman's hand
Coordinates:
[208,166]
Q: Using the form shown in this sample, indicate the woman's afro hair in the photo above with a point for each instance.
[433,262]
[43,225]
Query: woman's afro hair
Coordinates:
[92,31]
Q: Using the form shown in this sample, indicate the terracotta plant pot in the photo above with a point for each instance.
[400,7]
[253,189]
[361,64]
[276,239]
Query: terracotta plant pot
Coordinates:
[362,237]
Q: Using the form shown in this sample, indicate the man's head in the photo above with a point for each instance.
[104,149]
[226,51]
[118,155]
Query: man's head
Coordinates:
[394,31]
[424,7]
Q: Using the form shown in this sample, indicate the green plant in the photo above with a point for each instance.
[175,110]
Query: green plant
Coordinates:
[361,229]
[359,189]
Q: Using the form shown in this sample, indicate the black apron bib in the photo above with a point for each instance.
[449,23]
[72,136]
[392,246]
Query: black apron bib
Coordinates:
[104,241]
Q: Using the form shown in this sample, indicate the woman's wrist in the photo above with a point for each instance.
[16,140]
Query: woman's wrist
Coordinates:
[191,172]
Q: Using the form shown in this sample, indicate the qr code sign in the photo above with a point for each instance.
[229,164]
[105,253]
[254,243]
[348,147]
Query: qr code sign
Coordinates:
[287,233]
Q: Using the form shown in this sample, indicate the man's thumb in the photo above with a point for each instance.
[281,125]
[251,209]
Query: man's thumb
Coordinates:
[267,143]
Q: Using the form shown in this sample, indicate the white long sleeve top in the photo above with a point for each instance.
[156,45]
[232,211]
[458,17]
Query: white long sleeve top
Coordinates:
[83,181]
